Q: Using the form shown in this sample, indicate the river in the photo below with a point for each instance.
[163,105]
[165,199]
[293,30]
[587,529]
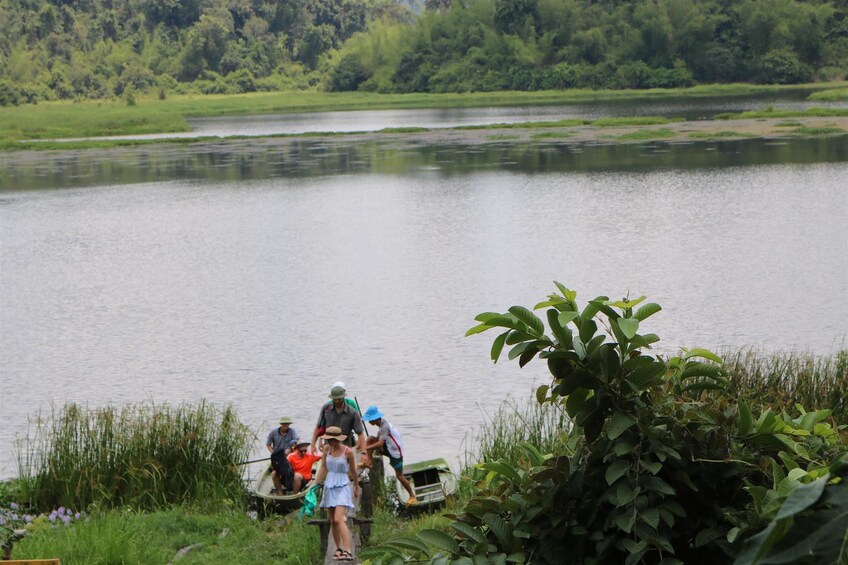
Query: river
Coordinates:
[259,272]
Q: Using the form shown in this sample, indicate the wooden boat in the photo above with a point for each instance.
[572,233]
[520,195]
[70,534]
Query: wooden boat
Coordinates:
[265,501]
[432,482]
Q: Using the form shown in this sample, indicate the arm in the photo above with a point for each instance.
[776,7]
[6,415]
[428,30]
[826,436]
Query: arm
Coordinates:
[354,476]
[270,448]
[362,444]
[313,447]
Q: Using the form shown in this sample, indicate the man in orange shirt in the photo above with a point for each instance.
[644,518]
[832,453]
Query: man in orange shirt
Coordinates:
[301,462]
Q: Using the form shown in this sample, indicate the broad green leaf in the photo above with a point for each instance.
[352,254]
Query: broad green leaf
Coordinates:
[515,558]
[698,369]
[502,469]
[656,484]
[647,376]
[552,301]
[706,536]
[651,516]
[565,318]
[746,420]
[704,353]
[486,316]
[732,534]
[534,324]
[438,539]
[469,532]
[478,329]
[499,527]
[516,336]
[579,348]
[646,310]
[542,393]
[413,544]
[497,346]
[802,498]
[575,401]
[519,349]
[536,456]
[628,326]
[633,547]
[507,321]
[625,522]
[562,334]
[617,470]
[618,424]
[625,494]
[566,292]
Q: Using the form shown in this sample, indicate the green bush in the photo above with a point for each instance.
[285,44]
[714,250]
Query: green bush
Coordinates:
[660,467]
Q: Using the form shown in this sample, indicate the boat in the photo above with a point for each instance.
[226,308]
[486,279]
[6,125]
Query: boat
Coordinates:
[266,502]
[432,482]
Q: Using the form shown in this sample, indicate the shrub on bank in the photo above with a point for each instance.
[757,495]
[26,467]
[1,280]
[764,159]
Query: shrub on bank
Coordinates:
[660,466]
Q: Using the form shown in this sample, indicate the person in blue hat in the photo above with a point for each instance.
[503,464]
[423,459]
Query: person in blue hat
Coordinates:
[389,443]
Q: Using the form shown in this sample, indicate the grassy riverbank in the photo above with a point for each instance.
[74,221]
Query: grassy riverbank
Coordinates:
[54,120]
[218,528]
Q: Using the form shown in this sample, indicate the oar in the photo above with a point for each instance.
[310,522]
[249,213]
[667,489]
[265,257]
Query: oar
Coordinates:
[254,461]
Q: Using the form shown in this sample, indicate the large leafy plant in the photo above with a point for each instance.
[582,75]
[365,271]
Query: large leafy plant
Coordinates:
[658,467]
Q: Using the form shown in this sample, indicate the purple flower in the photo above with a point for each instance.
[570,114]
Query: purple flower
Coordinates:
[52,516]
[61,510]
[13,506]
[27,518]
[66,519]
[77,515]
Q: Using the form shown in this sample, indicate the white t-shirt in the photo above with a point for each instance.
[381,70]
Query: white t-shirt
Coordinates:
[392,439]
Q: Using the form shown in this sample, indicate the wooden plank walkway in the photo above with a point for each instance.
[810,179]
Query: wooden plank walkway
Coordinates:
[358,522]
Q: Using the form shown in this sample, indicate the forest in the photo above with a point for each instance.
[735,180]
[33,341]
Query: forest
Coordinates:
[95,49]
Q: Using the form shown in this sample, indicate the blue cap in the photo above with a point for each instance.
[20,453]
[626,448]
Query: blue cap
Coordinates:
[372,413]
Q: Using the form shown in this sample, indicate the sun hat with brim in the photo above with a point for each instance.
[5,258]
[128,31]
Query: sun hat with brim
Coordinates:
[334,432]
[285,420]
[302,443]
[372,413]
[337,392]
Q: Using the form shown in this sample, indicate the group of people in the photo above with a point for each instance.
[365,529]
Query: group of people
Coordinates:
[339,422]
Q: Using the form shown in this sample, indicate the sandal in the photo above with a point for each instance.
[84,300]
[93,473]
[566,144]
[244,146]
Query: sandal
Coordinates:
[339,554]
[346,556]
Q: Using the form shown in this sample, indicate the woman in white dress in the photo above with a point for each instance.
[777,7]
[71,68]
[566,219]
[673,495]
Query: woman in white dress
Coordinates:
[340,464]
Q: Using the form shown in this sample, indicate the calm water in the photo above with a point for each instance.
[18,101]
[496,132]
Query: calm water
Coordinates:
[259,273]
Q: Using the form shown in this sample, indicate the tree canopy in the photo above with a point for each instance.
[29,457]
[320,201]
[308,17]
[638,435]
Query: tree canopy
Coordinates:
[55,49]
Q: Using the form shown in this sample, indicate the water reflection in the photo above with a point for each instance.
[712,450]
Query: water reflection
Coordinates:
[275,158]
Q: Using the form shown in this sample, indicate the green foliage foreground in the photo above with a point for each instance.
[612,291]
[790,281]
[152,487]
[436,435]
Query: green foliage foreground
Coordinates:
[660,467]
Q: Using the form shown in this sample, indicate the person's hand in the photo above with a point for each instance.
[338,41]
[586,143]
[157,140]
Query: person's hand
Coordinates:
[356,491]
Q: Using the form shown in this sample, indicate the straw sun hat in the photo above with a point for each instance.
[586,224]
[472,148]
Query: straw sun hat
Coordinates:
[333,432]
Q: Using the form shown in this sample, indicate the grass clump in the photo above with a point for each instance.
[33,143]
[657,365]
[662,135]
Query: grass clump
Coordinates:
[552,135]
[503,137]
[788,124]
[634,121]
[832,95]
[120,536]
[141,456]
[545,426]
[718,134]
[645,134]
[772,113]
[811,131]
[781,380]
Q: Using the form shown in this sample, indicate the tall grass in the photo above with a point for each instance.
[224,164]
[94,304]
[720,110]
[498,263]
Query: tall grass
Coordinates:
[780,380]
[545,426]
[143,456]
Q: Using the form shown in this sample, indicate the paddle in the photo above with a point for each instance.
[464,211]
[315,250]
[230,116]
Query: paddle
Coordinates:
[254,461]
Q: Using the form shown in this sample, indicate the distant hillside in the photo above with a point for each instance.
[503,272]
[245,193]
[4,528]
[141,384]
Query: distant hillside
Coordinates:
[63,49]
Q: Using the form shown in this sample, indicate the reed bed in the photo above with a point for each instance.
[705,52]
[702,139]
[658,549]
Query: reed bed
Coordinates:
[781,380]
[544,426]
[142,456]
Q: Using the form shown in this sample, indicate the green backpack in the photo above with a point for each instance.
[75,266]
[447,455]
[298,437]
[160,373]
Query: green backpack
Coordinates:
[310,502]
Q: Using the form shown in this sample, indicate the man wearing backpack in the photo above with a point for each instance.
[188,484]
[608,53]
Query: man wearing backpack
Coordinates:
[340,414]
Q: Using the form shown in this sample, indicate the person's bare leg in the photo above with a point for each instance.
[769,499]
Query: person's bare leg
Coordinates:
[334,528]
[340,522]
[297,482]
[405,482]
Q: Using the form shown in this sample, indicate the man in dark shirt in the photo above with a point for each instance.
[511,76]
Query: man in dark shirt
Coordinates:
[341,414]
